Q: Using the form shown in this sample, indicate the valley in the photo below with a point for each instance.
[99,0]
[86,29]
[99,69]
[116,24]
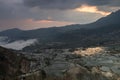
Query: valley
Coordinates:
[64,64]
[72,52]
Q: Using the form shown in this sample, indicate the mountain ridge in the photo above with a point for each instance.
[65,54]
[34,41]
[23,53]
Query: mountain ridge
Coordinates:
[113,14]
[70,33]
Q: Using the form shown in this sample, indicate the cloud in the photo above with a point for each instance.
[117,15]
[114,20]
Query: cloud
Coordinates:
[91,9]
[51,4]
[68,4]
[58,9]
[31,24]
[5,11]
[30,14]
[108,9]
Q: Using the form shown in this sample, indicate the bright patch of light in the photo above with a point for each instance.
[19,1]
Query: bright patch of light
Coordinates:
[91,9]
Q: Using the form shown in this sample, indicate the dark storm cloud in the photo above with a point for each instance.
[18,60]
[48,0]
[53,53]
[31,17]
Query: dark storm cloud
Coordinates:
[68,4]
[5,11]
[10,9]
[14,12]
[52,4]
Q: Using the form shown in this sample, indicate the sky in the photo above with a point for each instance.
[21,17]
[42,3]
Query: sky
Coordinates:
[33,14]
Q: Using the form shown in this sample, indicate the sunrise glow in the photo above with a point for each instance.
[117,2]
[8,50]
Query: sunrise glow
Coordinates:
[91,9]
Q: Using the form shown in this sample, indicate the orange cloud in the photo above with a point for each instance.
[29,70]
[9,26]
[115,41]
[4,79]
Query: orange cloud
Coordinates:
[91,9]
[32,24]
[44,21]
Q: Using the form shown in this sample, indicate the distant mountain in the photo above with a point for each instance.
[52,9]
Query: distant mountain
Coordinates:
[103,31]
[12,34]
[113,18]
[41,34]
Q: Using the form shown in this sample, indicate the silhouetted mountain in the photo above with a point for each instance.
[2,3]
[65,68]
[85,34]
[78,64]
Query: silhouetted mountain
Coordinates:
[9,32]
[12,34]
[104,30]
[113,18]
[42,34]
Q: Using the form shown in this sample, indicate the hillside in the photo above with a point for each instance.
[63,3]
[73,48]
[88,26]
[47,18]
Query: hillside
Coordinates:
[42,34]
[93,63]
[103,32]
[12,64]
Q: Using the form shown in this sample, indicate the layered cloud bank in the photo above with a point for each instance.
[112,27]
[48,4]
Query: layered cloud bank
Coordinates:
[63,12]
[69,4]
